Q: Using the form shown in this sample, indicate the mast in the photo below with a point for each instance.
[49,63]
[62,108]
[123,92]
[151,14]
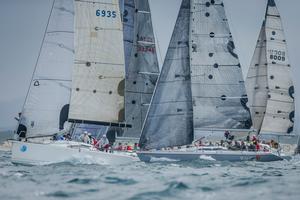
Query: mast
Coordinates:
[46,106]
[142,70]
[218,91]
[169,118]
[278,117]
[99,71]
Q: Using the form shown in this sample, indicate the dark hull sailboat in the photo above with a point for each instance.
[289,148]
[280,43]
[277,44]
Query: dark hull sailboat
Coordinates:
[200,88]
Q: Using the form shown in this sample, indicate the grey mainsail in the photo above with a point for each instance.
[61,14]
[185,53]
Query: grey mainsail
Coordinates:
[46,106]
[169,119]
[142,69]
[278,118]
[218,90]
[201,83]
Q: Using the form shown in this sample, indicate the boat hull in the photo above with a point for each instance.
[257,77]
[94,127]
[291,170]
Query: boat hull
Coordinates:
[28,153]
[232,156]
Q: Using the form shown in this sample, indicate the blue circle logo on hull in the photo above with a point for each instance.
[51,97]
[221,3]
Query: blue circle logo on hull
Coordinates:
[23,148]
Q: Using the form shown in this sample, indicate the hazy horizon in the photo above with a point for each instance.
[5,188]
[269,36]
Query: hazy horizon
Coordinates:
[23,24]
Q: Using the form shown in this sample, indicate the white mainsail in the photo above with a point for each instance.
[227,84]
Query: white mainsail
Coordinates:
[142,69]
[98,75]
[46,106]
[278,117]
[201,83]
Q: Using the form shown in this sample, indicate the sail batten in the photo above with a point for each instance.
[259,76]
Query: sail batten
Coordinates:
[45,108]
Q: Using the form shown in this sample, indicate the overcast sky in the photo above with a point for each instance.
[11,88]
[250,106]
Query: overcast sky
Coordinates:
[23,23]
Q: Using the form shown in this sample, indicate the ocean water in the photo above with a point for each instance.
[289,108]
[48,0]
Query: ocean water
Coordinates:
[203,179]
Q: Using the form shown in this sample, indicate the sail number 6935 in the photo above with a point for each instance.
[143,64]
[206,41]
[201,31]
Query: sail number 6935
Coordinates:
[106,13]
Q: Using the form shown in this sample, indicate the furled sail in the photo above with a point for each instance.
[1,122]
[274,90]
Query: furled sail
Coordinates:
[257,81]
[142,71]
[169,121]
[98,75]
[279,114]
[218,90]
[46,105]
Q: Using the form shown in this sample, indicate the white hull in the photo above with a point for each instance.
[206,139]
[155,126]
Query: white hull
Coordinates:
[217,155]
[28,153]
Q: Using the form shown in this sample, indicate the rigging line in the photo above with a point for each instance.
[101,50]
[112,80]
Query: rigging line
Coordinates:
[37,60]
[158,47]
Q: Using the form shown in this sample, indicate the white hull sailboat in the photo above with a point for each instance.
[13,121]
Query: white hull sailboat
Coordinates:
[200,88]
[30,153]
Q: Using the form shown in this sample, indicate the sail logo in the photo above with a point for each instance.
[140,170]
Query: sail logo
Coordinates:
[23,148]
[106,13]
[277,55]
[146,48]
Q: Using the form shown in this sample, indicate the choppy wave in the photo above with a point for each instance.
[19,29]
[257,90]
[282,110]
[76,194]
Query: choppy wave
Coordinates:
[82,178]
[204,157]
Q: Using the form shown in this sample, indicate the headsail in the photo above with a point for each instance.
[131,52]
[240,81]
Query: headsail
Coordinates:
[142,70]
[169,121]
[46,105]
[279,114]
[218,90]
[99,71]
[257,81]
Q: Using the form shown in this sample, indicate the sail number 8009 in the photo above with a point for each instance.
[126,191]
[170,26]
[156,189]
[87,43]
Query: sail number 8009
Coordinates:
[106,13]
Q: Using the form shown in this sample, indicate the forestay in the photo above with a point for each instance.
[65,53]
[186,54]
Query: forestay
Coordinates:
[99,70]
[218,90]
[142,71]
[46,106]
[169,121]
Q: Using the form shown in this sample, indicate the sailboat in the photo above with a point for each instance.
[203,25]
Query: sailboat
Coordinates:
[200,88]
[97,88]
[269,83]
[98,80]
